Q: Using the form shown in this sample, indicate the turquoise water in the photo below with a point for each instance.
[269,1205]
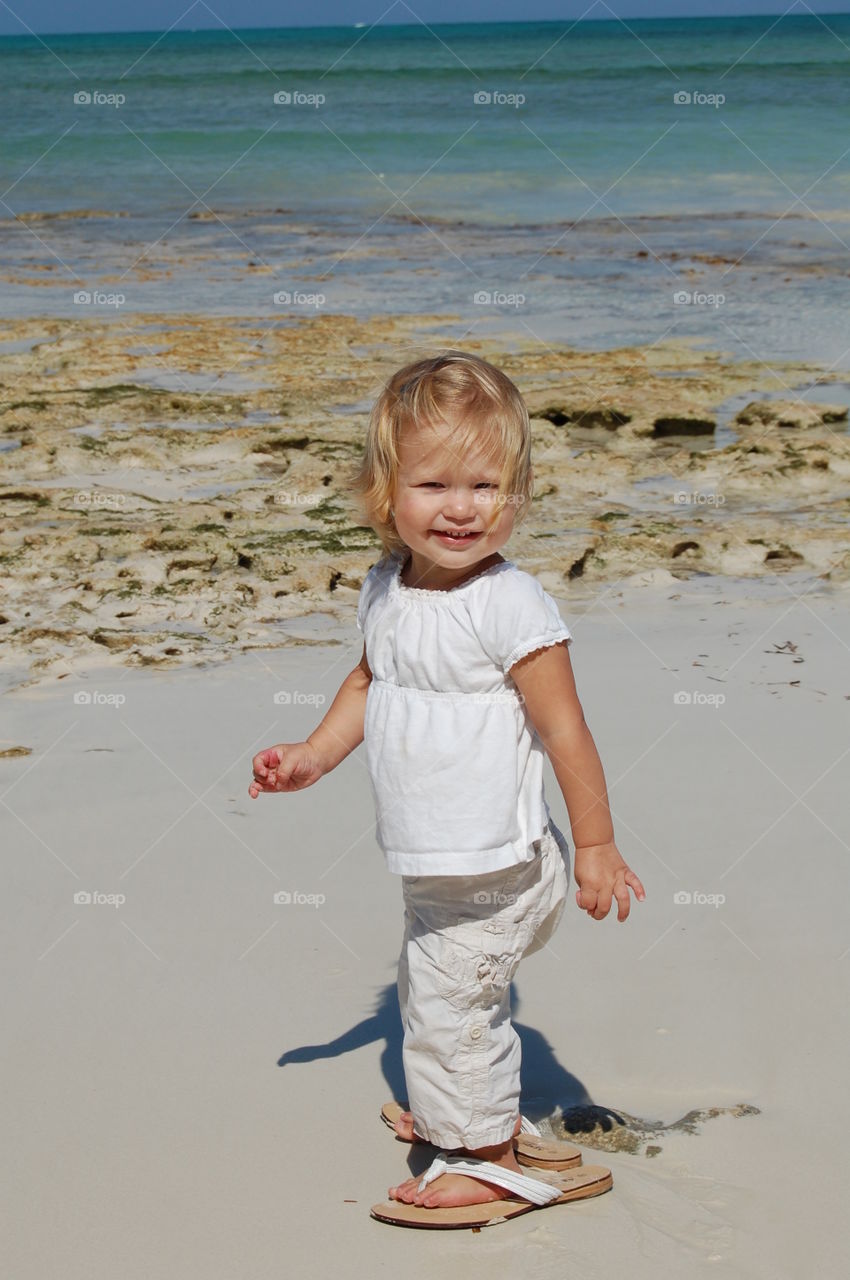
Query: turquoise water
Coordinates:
[398,191]
[599,97]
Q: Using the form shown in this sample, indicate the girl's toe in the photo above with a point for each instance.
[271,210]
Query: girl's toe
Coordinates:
[404,1191]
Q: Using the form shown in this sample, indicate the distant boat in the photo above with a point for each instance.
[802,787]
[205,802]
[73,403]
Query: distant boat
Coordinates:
[359,24]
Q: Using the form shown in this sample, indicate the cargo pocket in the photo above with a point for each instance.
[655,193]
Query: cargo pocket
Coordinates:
[473,977]
[456,969]
[494,976]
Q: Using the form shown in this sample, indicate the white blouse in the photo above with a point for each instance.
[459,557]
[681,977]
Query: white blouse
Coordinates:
[455,764]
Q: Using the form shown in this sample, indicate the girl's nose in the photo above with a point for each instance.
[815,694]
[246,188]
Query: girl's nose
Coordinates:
[460,503]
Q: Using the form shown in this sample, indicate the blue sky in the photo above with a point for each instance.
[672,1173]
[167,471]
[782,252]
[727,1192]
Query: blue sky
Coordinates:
[48,16]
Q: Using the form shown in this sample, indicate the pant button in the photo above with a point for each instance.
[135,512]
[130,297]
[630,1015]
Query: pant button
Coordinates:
[475,1032]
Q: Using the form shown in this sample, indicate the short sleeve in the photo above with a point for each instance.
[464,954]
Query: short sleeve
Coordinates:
[520,618]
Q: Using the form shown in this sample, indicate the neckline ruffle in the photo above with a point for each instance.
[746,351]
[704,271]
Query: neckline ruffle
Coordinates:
[426,592]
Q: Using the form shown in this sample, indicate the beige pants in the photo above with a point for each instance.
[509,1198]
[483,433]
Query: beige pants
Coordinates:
[463,940]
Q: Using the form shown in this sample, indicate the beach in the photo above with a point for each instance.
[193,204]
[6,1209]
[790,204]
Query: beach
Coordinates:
[202,297]
[198,1070]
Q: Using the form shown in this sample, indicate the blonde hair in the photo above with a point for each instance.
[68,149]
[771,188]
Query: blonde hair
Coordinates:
[487,411]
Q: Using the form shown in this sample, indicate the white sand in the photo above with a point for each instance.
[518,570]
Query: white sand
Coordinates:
[150,1131]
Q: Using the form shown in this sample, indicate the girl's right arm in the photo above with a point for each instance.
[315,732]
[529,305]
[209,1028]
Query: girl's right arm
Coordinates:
[296,765]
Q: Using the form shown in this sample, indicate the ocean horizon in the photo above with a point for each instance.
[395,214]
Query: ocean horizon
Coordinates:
[582,175]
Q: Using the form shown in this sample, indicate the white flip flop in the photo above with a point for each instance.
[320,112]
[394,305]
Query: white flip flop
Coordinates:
[548,1188]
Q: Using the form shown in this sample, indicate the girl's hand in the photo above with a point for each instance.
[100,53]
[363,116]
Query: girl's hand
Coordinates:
[601,875]
[289,766]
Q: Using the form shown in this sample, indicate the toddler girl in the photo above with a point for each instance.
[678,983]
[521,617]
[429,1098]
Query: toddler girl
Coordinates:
[465,681]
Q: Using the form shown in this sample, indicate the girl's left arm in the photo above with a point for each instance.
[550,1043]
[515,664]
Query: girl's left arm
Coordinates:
[545,680]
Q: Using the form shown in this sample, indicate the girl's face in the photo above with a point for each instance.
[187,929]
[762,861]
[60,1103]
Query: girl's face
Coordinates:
[439,494]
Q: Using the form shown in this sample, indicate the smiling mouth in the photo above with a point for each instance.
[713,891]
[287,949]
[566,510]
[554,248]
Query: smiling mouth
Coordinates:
[455,537]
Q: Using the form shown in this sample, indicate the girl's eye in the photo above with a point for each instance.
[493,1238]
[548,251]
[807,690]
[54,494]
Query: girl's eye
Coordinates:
[485,484]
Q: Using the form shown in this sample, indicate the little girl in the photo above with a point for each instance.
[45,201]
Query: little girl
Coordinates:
[465,681]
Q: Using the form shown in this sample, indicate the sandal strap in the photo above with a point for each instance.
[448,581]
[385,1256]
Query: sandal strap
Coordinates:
[527,1126]
[528,1188]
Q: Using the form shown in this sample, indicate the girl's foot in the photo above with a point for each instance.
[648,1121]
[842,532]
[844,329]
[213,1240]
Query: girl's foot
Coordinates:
[454,1188]
[404,1128]
[449,1189]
